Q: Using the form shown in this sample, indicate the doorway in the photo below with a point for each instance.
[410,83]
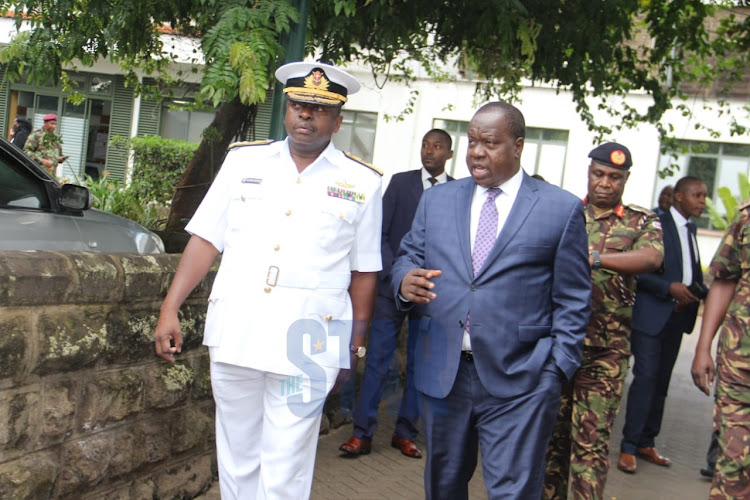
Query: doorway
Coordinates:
[83,127]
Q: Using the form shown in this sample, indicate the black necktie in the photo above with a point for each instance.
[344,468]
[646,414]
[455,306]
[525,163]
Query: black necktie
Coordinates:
[691,246]
[432,180]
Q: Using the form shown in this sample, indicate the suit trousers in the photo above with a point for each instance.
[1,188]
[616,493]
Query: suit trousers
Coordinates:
[654,358]
[382,371]
[267,428]
[511,433]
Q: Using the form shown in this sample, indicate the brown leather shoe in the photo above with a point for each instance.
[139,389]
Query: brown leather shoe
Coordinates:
[408,448]
[626,463]
[651,455]
[356,446]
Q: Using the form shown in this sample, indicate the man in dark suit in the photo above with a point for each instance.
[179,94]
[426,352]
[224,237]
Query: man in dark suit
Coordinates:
[500,262]
[399,204]
[665,307]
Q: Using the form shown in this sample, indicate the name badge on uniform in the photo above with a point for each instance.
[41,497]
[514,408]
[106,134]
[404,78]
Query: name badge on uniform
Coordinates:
[251,180]
[346,194]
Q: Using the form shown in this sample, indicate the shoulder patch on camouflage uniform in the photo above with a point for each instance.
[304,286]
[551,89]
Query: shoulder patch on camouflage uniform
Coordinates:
[641,209]
[250,143]
[363,162]
[744,204]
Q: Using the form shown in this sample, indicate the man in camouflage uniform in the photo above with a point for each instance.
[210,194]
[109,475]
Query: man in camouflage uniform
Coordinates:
[44,146]
[728,306]
[624,240]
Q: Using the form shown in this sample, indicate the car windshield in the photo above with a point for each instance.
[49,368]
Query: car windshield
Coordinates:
[19,187]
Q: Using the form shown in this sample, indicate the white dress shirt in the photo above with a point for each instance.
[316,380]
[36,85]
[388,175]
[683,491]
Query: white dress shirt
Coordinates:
[426,184]
[682,229]
[504,203]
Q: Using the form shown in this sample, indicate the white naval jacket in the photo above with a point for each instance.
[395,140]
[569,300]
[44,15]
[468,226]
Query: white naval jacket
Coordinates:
[289,242]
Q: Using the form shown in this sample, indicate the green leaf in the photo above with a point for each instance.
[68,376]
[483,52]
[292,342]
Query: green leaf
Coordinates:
[717,220]
[744,186]
[729,201]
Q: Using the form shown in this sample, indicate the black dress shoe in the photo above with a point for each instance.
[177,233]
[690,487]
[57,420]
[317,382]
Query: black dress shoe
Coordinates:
[356,446]
[707,472]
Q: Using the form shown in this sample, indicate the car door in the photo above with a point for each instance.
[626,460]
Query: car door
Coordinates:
[28,219]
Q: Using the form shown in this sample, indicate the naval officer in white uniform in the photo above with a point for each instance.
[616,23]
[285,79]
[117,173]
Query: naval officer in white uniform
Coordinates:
[298,225]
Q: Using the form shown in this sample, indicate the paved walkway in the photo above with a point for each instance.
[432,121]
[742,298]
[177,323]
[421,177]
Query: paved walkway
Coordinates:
[386,474]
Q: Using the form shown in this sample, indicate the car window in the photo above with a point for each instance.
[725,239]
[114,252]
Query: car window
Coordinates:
[19,187]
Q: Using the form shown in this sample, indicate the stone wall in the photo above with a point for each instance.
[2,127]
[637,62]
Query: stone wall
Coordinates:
[87,410]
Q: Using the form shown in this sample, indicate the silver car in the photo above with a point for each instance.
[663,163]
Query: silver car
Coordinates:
[37,213]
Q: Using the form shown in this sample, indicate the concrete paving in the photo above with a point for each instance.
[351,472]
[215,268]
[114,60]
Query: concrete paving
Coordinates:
[386,474]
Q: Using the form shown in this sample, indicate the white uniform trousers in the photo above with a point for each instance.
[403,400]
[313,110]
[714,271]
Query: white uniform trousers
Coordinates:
[265,442]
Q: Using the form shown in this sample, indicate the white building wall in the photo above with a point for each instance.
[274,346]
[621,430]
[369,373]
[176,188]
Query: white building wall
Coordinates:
[397,144]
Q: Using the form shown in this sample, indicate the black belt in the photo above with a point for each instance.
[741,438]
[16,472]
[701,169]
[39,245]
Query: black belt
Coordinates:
[467,356]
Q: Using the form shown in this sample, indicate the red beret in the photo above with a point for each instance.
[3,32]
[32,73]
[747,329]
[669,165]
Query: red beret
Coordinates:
[50,116]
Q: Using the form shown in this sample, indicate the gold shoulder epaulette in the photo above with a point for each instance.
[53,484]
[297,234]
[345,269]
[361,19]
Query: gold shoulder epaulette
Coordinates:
[641,209]
[250,143]
[744,204]
[363,162]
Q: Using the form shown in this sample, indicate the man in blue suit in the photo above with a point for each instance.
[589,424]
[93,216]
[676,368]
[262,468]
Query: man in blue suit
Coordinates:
[399,205]
[500,262]
[665,307]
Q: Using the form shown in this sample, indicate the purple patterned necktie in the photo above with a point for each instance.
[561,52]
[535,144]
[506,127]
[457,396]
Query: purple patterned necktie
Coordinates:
[486,236]
[486,230]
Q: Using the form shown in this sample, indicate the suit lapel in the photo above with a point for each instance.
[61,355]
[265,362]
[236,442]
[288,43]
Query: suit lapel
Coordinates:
[669,226]
[463,222]
[415,186]
[525,201]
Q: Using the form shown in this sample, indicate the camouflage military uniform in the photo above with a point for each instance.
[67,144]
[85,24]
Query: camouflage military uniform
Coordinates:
[44,145]
[580,442]
[732,408]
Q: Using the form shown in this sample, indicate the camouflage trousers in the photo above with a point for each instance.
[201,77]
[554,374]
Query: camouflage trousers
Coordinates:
[579,447]
[732,421]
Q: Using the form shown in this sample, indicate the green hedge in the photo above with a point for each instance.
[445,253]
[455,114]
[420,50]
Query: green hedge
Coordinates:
[158,164]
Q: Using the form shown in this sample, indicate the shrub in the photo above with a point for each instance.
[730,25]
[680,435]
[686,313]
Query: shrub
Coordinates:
[158,164]
[112,196]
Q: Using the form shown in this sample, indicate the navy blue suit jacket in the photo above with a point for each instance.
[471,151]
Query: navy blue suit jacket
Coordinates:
[653,304]
[529,303]
[399,206]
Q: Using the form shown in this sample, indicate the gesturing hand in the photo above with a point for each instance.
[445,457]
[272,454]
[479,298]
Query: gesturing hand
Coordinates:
[417,285]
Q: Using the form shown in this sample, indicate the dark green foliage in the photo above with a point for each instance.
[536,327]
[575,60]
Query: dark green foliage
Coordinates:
[111,195]
[158,164]
[601,49]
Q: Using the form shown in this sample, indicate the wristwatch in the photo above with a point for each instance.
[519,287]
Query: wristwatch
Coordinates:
[358,351]
[597,260]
